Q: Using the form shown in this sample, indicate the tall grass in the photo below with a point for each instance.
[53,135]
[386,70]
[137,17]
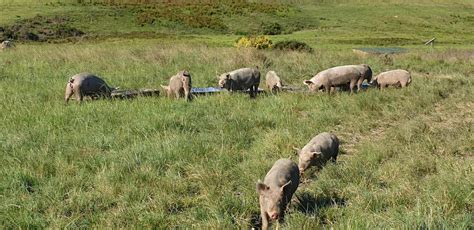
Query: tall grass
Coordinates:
[406,154]
[163,163]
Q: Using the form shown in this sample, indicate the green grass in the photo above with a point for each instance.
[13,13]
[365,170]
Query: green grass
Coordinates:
[364,23]
[406,154]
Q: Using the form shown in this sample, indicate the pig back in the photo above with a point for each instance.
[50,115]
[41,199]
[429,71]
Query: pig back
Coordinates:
[326,143]
[393,76]
[244,78]
[93,84]
[342,74]
[176,83]
[282,171]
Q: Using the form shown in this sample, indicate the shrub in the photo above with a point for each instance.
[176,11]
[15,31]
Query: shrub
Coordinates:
[271,28]
[41,28]
[259,42]
[293,45]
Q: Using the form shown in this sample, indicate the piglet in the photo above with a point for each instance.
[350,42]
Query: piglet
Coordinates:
[276,191]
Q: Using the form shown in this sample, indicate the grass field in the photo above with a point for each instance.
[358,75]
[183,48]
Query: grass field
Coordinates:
[406,154]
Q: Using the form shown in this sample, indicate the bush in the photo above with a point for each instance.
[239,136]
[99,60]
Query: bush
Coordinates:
[259,42]
[41,28]
[293,45]
[270,28]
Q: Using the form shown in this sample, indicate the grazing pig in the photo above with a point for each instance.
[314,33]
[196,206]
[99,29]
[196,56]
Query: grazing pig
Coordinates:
[86,84]
[277,189]
[7,44]
[241,79]
[338,76]
[273,82]
[318,151]
[180,86]
[398,77]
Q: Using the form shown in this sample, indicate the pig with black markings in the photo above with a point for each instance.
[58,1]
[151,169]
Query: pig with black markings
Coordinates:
[86,84]
[241,79]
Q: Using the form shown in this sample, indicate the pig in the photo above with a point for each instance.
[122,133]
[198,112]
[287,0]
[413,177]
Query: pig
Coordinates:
[7,44]
[273,82]
[365,71]
[180,86]
[398,77]
[339,76]
[241,79]
[318,151]
[86,84]
[276,190]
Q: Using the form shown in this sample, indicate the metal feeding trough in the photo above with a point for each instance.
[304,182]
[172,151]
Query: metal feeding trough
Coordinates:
[207,90]
[212,90]
[132,93]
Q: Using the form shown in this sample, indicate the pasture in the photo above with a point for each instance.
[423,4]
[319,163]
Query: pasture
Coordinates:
[406,157]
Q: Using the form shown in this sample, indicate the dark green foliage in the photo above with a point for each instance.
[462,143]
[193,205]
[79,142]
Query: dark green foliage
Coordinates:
[40,28]
[205,15]
[293,45]
[271,28]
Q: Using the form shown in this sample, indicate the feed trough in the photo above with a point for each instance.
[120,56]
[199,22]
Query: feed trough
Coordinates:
[132,93]
[206,90]
[213,90]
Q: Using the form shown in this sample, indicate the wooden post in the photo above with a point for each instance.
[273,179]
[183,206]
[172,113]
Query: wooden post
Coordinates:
[430,42]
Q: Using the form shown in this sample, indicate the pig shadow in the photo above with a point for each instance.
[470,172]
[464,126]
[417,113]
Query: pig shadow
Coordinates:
[309,204]
[255,221]
[304,202]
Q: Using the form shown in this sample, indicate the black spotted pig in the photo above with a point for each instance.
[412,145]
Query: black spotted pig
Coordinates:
[276,191]
[241,79]
[86,84]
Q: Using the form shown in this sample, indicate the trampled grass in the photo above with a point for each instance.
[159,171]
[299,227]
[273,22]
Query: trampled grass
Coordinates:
[406,154]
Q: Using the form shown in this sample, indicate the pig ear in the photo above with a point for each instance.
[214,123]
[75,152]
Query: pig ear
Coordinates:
[261,187]
[315,154]
[227,76]
[307,82]
[283,187]
[298,151]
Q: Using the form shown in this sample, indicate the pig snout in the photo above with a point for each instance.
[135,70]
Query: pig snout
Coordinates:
[301,169]
[274,216]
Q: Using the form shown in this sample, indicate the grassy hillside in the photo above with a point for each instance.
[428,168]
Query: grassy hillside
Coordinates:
[362,23]
[406,154]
